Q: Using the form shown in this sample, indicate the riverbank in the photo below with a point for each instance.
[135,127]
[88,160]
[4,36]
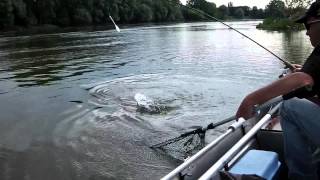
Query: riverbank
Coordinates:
[49,28]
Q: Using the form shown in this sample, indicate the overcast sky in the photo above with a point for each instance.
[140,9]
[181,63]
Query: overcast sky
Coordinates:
[250,3]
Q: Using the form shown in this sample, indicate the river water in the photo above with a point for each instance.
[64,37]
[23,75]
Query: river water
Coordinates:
[67,99]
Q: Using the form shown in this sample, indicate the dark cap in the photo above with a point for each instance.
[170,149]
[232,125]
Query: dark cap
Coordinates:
[313,11]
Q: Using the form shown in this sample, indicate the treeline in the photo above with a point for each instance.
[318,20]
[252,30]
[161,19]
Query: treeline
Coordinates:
[224,12]
[85,12]
[94,12]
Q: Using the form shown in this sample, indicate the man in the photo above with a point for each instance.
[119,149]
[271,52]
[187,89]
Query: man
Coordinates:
[300,118]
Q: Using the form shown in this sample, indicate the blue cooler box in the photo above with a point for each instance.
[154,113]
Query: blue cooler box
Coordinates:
[262,163]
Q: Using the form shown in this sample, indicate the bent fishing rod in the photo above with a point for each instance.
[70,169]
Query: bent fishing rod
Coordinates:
[286,63]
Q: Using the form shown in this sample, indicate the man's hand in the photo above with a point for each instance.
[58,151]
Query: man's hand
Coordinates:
[297,67]
[246,109]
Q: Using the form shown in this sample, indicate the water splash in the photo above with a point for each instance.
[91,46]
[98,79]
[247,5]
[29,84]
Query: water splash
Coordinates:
[147,105]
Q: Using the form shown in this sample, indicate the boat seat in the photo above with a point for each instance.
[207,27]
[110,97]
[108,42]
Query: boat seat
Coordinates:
[264,164]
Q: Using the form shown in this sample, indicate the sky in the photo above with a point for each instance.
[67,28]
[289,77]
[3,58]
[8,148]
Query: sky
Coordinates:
[250,3]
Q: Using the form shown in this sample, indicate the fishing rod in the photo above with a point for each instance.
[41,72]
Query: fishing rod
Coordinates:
[286,63]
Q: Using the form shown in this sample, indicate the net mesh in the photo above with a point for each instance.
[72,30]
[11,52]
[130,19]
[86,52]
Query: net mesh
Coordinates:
[182,147]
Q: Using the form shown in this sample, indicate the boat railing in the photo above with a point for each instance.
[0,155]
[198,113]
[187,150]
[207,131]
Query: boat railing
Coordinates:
[177,171]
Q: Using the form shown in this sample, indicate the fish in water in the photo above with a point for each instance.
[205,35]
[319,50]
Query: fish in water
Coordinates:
[147,105]
[76,101]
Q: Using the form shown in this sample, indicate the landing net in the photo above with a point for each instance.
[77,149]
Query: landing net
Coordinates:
[182,147]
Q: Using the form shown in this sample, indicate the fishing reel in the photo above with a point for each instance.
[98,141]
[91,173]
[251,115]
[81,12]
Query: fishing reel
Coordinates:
[285,72]
[290,68]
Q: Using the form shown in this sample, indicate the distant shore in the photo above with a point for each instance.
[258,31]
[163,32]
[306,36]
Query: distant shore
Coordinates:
[49,28]
[267,24]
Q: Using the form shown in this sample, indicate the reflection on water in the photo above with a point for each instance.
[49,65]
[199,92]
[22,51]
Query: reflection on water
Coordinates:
[41,60]
[67,99]
[297,47]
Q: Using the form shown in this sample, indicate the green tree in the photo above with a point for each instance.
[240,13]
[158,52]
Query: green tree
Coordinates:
[207,7]
[296,7]
[174,12]
[239,13]
[81,16]
[90,12]
[46,11]
[144,14]
[246,10]
[231,9]
[254,12]
[6,15]
[19,12]
[276,9]
[112,8]
[293,4]
[97,13]
[261,14]
[160,11]
[190,15]
[223,12]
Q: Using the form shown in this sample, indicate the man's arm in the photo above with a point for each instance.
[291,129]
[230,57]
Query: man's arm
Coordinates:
[280,87]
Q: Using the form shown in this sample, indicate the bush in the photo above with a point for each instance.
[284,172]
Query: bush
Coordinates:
[279,24]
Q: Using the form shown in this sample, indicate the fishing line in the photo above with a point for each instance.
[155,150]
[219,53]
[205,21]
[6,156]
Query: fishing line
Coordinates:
[286,63]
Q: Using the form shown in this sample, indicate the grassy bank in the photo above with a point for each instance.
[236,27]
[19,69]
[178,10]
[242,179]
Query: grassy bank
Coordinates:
[276,24]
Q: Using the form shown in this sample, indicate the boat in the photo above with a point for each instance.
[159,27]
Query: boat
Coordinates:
[245,140]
